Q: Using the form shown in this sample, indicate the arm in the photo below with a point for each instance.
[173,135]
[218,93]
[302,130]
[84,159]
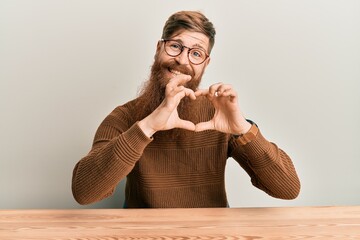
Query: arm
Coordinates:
[112,157]
[117,147]
[269,167]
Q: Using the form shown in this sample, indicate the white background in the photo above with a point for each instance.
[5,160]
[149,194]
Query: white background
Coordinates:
[64,65]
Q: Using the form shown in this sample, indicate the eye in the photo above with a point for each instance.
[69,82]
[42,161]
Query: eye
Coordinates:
[197,53]
[175,45]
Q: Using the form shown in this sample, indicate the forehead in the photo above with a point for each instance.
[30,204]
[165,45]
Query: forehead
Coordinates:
[192,39]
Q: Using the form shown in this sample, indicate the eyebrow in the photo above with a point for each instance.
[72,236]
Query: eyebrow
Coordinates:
[197,45]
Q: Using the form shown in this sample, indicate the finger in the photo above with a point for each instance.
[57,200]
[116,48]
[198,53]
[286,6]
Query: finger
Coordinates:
[223,88]
[190,93]
[181,91]
[180,79]
[174,90]
[201,92]
[169,89]
[206,93]
[228,93]
[177,81]
[185,125]
[213,89]
[209,125]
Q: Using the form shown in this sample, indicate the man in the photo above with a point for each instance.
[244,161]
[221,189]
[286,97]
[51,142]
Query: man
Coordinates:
[173,141]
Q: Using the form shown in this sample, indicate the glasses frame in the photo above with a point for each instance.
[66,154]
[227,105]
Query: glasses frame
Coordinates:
[182,49]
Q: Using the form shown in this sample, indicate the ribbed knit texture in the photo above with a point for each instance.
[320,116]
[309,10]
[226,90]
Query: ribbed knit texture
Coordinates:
[176,173]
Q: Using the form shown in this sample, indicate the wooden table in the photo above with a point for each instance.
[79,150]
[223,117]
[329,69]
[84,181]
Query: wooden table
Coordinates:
[183,224]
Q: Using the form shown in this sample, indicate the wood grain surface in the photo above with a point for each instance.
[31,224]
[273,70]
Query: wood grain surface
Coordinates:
[333,222]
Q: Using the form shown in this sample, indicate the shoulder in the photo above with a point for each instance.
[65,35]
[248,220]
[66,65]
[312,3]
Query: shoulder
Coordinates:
[124,110]
[121,116]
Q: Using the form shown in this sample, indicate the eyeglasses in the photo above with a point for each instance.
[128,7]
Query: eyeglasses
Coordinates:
[195,55]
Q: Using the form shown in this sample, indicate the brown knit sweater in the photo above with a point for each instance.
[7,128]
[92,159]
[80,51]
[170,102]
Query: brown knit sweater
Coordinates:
[182,173]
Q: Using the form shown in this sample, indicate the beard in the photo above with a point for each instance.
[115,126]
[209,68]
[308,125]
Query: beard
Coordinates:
[152,94]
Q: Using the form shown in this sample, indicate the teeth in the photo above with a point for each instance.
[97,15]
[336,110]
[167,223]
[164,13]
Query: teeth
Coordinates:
[175,72]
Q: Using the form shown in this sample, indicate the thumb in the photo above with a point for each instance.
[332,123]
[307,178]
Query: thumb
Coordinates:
[209,125]
[186,125]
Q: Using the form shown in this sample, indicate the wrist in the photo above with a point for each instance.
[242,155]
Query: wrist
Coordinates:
[244,128]
[249,136]
[145,127]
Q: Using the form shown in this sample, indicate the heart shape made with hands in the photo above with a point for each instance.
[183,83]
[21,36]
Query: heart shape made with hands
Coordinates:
[227,117]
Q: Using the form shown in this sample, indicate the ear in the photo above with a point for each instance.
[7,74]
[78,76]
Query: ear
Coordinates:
[158,47]
[207,61]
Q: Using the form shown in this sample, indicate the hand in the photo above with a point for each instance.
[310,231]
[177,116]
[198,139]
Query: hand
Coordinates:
[165,116]
[227,117]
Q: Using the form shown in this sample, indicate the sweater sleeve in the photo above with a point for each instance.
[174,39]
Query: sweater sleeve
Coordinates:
[269,167]
[112,157]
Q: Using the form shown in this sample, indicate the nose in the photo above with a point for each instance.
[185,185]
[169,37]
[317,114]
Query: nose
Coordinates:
[182,58]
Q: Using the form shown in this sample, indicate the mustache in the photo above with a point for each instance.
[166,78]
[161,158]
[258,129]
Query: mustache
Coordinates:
[173,65]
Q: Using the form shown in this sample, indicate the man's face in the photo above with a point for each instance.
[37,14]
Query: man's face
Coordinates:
[171,66]
[166,67]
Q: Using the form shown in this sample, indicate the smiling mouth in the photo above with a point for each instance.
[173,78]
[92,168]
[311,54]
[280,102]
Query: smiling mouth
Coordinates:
[175,72]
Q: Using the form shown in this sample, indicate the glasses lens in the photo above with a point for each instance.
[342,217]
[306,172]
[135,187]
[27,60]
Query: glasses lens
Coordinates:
[173,48]
[197,56]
